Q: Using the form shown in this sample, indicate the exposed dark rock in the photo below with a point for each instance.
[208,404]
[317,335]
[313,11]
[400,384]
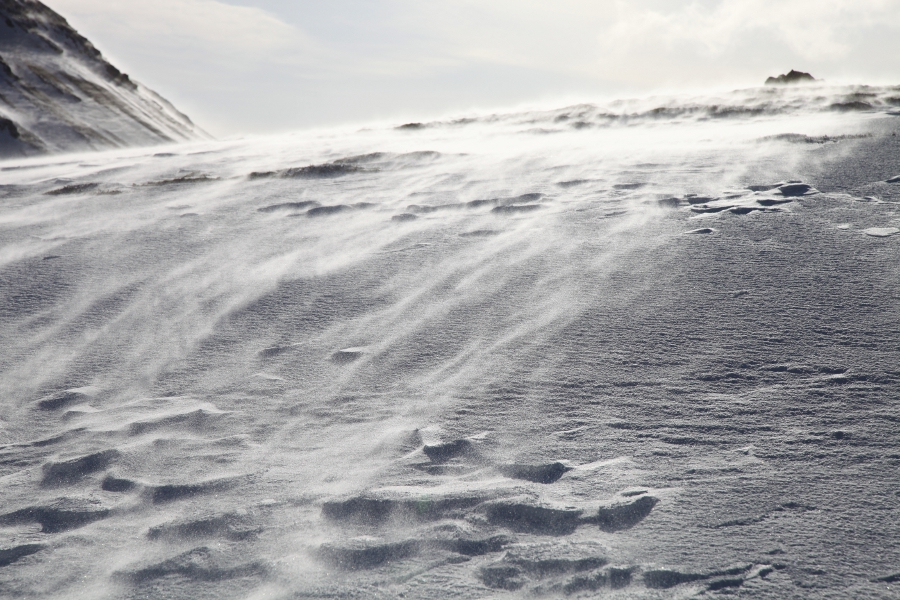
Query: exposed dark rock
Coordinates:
[791,77]
[67,97]
[8,126]
[5,68]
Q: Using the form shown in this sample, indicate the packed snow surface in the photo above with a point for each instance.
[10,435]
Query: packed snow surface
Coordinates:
[638,349]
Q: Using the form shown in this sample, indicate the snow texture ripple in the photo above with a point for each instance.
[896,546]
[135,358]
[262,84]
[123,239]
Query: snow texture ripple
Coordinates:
[548,353]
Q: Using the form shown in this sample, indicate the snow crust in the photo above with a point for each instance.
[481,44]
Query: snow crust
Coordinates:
[473,358]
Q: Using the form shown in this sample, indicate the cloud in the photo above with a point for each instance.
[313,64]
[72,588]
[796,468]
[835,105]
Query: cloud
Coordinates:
[223,32]
[814,30]
[608,38]
[401,38]
[244,65]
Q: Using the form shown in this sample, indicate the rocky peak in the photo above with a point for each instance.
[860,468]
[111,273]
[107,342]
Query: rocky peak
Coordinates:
[791,77]
[58,93]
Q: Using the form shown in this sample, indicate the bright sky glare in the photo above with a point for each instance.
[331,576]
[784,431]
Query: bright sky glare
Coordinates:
[242,66]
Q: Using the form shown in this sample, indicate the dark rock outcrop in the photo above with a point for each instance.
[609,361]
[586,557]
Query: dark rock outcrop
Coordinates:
[791,77]
[59,94]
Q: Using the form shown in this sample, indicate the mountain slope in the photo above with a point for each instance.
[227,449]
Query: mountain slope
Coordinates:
[58,93]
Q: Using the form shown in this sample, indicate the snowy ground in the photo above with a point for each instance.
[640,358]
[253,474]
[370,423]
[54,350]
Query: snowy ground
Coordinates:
[561,353]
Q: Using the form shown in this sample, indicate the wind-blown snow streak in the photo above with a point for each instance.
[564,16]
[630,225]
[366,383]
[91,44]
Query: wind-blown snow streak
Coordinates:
[473,355]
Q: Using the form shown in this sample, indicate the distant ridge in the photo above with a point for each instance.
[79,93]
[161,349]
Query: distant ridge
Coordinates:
[792,77]
[59,94]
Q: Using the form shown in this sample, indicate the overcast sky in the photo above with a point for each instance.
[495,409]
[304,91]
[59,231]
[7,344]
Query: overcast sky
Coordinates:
[240,66]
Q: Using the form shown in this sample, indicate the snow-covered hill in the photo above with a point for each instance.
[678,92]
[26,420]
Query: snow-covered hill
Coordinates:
[59,94]
[644,349]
